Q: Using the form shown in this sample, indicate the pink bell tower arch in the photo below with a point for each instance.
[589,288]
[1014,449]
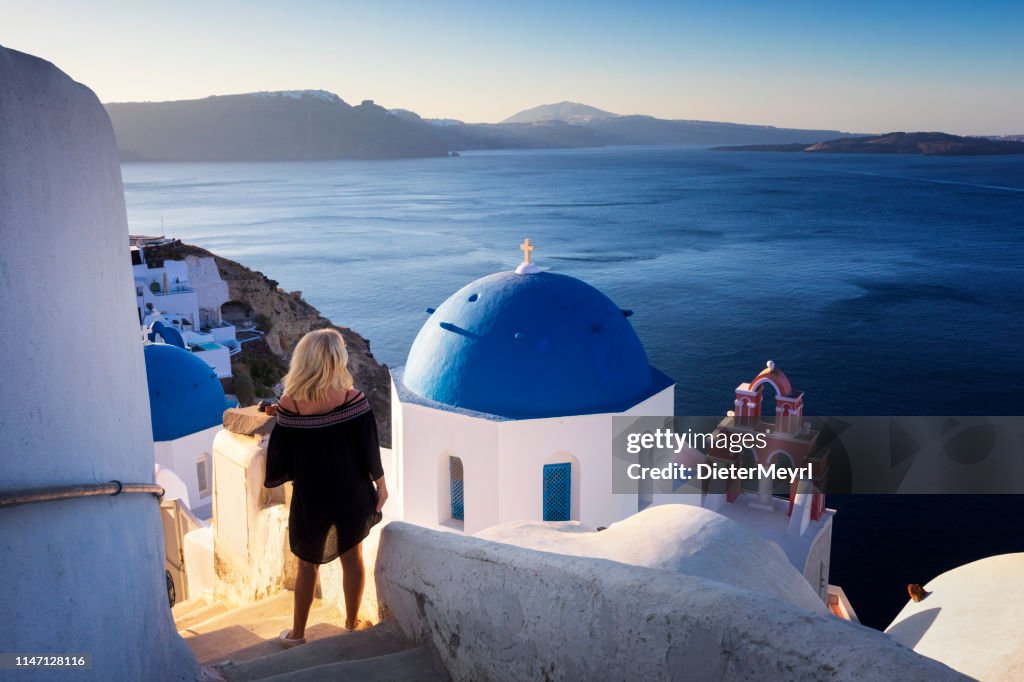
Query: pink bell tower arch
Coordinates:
[789,404]
[785,433]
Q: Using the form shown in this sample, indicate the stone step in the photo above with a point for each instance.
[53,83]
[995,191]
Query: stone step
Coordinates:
[249,632]
[410,665]
[378,640]
[199,615]
[182,609]
[278,605]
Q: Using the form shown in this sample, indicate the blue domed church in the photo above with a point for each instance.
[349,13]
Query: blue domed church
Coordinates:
[503,410]
[186,404]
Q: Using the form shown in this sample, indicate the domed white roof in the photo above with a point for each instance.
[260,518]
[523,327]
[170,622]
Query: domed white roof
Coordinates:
[972,620]
[675,537]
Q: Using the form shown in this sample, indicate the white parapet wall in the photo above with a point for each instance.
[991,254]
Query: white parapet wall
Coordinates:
[250,522]
[500,612]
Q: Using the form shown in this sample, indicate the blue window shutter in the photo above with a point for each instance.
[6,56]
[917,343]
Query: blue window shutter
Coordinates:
[557,491]
[457,490]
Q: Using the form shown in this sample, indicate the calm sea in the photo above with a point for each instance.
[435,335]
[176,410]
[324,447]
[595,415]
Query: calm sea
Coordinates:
[879,284]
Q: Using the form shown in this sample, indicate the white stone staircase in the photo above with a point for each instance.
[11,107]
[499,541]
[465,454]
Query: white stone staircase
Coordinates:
[241,644]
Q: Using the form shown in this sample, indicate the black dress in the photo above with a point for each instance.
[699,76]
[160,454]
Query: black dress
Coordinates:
[332,460]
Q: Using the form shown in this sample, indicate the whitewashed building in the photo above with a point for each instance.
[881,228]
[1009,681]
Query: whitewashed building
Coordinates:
[187,404]
[185,297]
[503,411]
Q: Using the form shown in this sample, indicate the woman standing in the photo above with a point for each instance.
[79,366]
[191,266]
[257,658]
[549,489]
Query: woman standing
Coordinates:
[325,441]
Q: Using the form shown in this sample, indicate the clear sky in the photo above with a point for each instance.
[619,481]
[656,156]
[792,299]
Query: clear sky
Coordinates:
[861,66]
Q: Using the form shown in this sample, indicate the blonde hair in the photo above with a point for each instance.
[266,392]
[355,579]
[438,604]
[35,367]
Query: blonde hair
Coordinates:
[319,365]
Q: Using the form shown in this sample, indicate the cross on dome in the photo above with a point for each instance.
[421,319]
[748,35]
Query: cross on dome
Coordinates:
[527,267]
[527,248]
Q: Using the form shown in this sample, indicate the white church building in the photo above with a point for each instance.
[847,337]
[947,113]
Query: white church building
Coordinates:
[186,404]
[503,410]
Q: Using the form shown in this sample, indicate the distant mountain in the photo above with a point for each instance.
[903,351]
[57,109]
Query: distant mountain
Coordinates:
[284,125]
[569,112]
[459,136]
[601,128]
[927,144]
[314,124]
[616,129]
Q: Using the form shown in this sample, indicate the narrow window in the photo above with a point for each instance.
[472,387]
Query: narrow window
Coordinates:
[557,491]
[203,475]
[457,490]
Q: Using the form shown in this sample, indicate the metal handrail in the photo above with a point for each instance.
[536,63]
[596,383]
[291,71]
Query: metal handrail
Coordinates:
[13,498]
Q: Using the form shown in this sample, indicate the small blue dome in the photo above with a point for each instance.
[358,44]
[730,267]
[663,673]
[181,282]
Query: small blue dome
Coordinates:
[185,395]
[167,333]
[530,345]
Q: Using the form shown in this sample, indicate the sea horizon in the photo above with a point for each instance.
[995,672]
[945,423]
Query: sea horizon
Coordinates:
[820,263]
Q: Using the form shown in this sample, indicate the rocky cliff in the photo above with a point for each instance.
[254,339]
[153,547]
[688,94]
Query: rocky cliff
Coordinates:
[284,317]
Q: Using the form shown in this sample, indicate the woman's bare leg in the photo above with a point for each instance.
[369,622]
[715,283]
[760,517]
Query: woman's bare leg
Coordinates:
[305,584]
[353,579]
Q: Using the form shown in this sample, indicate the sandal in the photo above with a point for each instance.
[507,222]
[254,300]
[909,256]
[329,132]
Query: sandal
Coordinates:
[287,642]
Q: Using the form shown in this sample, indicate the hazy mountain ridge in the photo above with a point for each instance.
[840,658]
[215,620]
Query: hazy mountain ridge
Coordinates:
[287,125]
[924,143]
[316,124]
[540,127]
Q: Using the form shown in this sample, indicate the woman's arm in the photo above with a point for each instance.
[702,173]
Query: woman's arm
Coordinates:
[382,492]
[371,451]
[371,447]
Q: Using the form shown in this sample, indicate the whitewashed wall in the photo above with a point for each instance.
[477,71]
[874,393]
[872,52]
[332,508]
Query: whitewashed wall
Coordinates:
[429,438]
[181,455]
[218,359]
[503,464]
[211,290]
[72,362]
[499,612]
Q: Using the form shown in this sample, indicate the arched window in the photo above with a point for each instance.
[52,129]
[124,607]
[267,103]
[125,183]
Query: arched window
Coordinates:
[456,488]
[768,395]
[558,491]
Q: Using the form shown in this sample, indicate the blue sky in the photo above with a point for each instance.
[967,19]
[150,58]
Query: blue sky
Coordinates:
[858,66]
